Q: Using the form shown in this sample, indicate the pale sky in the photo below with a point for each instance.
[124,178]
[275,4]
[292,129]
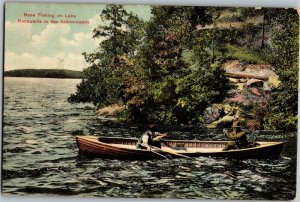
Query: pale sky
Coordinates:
[53,46]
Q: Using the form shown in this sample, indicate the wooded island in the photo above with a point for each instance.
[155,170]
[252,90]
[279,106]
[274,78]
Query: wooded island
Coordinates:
[191,65]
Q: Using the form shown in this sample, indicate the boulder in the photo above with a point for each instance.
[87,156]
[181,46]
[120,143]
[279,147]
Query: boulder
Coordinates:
[255,91]
[110,111]
[226,120]
[238,99]
[220,115]
[254,83]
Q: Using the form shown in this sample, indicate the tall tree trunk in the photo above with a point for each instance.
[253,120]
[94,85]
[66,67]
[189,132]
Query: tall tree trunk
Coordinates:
[263,31]
[213,42]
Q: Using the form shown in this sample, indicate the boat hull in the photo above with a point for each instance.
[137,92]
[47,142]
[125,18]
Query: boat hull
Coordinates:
[124,148]
[103,150]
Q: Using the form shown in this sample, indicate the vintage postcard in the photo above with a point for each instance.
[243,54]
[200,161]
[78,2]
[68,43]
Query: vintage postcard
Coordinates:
[137,101]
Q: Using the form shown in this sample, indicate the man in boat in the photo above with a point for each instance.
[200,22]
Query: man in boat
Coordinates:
[237,136]
[150,138]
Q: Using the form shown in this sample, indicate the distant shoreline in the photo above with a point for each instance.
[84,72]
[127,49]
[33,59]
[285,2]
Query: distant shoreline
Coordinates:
[39,77]
[45,73]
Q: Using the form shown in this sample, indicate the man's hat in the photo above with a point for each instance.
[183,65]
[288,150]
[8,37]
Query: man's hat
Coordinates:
[151,126]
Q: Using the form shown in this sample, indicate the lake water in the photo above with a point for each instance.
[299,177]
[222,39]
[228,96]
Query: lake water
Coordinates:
[40,155]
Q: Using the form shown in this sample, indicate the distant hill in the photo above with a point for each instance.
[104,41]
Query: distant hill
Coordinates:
[44,73]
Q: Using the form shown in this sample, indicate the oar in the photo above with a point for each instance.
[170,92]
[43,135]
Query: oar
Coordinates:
[159,137]
[159,154]
[171,152]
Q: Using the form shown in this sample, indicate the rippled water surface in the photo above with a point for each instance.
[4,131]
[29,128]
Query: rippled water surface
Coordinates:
[40,155]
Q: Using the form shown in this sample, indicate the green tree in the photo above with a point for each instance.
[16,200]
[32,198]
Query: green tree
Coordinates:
[179,72]
[258,30]
[165,70]
[103,79]
[115,43]
[283,55]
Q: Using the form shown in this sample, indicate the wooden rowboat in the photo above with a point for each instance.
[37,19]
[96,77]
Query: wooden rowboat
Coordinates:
[125,149]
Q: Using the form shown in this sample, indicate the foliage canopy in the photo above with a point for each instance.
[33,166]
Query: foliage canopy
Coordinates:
[169,69]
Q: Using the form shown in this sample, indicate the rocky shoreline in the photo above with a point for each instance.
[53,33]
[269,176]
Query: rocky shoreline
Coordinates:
[253,83]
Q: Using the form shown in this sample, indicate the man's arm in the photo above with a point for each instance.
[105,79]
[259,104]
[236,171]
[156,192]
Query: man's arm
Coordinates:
[158,136]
